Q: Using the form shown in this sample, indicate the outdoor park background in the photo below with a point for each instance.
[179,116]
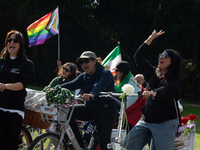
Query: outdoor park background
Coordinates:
[98,25]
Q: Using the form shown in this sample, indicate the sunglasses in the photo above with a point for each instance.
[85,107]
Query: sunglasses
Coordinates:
[10,40]
[67,70]
[116,70]
[164,55]
[87,60]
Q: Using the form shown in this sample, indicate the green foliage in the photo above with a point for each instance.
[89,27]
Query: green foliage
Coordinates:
[35,88]
[99,25]
[191,78]
[59,95]
[123,96]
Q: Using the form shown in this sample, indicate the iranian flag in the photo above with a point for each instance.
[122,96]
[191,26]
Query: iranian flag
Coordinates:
[112,58]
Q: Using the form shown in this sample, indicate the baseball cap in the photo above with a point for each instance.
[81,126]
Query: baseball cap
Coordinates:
[87,54]
[123,66]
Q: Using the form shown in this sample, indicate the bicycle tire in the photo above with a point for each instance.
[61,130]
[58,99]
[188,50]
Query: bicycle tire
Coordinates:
[25,139]
[45,140]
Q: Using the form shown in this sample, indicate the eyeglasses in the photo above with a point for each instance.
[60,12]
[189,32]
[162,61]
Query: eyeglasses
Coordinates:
[116,70]
[67,70]
[10,40]
[164,55]
[87,60]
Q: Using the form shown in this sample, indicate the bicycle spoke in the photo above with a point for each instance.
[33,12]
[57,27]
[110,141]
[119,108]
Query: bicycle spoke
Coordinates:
[49,144]
[47,141]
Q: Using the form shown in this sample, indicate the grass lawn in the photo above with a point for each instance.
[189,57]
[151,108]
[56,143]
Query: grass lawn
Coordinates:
[194,110]
[35,88]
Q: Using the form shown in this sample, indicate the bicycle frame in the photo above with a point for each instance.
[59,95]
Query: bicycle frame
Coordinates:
[118,140]
[61,115]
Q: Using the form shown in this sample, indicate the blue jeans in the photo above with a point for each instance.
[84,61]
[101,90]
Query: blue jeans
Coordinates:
[163,135]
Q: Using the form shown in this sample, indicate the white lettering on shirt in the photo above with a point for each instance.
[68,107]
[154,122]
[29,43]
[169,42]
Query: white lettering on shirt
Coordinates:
[14,70]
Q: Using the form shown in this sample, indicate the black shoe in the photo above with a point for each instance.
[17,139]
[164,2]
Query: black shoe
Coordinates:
[70,146]
[83,145]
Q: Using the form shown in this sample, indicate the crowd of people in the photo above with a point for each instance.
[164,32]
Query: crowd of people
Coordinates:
[156,112]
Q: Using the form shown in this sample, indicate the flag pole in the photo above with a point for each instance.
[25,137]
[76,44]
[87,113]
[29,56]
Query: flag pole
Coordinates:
[58,36]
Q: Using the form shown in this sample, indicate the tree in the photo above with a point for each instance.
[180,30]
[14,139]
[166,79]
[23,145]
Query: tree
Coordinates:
[98,25]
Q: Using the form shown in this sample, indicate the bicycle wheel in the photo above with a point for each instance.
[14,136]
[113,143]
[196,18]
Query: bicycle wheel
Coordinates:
[24,139]
[47,141]
[34,132]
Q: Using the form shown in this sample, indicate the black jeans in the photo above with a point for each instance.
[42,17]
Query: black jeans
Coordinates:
[104,122]
[10,126]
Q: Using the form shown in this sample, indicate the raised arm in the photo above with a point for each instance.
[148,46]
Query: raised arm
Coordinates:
[146,68]
[59,63]
[154,35]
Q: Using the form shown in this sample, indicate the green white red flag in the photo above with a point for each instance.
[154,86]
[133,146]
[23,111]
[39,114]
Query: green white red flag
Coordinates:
[112,58]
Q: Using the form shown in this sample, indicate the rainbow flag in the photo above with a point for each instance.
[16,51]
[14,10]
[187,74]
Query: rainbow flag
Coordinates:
[43,28]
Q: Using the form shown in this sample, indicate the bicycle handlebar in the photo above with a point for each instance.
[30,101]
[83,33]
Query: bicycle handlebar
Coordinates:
[112,94]
[119,94]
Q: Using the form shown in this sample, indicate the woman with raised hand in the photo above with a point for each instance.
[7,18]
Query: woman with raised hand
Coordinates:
[159,119]
[16,72]
[67,72]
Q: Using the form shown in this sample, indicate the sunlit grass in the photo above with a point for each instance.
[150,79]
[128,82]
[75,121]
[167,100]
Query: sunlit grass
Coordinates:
[35,88]
[194,110]
[197,141]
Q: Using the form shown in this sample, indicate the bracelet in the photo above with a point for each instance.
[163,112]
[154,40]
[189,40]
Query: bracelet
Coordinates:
[149,40]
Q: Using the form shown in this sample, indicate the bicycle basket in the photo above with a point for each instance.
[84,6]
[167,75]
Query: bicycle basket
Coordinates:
[33,118]
[54,113]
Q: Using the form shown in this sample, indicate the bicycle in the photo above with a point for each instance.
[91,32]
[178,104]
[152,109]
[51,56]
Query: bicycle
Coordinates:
[62,113]
[56,139]
[25,139]
[116,143]
[34,132]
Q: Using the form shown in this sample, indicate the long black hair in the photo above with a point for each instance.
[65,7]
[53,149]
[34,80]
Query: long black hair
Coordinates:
[175,67]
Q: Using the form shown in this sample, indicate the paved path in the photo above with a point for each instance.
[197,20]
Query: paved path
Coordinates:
[195,105]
